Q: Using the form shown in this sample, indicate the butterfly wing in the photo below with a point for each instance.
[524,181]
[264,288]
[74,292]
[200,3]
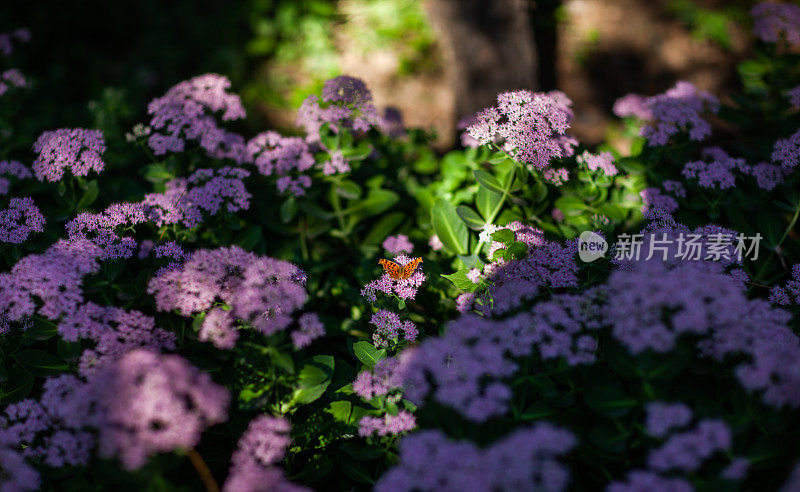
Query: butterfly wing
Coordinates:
[409,268]
[390,267]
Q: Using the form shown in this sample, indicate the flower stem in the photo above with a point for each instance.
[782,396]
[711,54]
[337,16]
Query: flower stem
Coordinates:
[202,470]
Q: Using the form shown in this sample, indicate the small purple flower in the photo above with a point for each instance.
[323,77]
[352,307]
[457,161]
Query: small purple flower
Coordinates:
[646,481]
[435,243]
[289,158]
[398,244]
[663,417]
[387,425]
[310,328]
[774,22]
[381,380]
[687,451]
[346,104]
[389,327]
[794,96]
[603,161]
[787,151]
[736,470]
[19,220]
[716,170]
[76,149]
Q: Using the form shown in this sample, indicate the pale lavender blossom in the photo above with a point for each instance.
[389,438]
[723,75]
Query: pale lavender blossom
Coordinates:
[768,176]
[289,158]
[653,202]
[346,104]
[435,243]
[389,327]
[794,96]
[736,470]
[16,475]
[309,329]
[387,425]
[186,112]
[262,445]
[337,164]
[633,105]
[398,244]
[647,481]
[69,149]
[382,379]
[603,161]
[153,403]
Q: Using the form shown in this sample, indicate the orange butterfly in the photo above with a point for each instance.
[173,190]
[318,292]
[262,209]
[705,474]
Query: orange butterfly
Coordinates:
[398,272]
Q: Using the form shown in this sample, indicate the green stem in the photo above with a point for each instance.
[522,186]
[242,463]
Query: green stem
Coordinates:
[780,241]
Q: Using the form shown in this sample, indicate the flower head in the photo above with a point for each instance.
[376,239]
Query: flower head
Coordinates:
[74,149]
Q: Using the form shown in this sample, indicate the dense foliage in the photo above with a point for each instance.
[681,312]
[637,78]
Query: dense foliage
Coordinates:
[183,305]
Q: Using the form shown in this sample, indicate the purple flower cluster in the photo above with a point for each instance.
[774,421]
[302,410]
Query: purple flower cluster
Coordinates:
[787,151]
[186,112]
[383,378]
[531,126]
[653,303]
[16,475]
[603,161]
[528,459]
[676,110]
[387,425]
[208,191]
[645,481]
[346,103]
[100,228]
[153,403]
[114,331]
[389,327]
[398,244]
[12,78]
[19,220]
[717,172]
[402,288]
[13,169]
[655,202]
[774,22]
[7,40]
[688,450]
[794,96]
[286,157]
[309,329]
[261,292]
[74,149]
[784,295]
[262,445]
[54,278]
[464,367]
[531,236]
[663,417]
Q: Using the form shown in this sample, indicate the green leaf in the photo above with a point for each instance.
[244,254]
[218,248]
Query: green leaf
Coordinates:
[315,470]
[610,400]
[40,362]
[356,471]
[571,205]
[157,173]
[314,379]
[461,281]
[518,250]
[377,201]
[488,203]
[281,359]
[359,152]
[17,387]
[348,189]
[249,237]
[449,227]
[488,181]
[288,209]
[383,228]
[340,410]
[505,236]
[367,353]
[89,196]
[470,217]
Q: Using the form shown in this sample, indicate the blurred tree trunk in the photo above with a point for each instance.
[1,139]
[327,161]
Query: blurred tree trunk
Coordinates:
[489,46]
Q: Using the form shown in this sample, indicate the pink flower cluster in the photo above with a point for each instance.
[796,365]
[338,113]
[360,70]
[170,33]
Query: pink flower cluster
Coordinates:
[186,112]
[398,244]
[389,327]
[531,126]
[389,424]
[603,161]
[259,292]
[262,445]
[74,149]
